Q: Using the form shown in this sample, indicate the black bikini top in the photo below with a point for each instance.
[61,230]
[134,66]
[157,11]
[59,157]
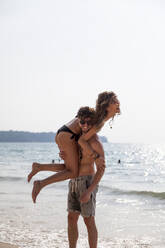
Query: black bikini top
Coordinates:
[66,129]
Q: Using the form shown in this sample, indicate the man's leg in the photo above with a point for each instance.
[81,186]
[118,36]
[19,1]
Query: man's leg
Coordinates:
[73,229]
[92,231]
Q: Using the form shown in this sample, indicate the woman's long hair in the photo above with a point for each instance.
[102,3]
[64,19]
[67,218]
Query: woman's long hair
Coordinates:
[102,104]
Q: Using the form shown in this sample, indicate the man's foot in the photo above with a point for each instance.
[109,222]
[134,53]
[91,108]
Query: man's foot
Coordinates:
[36,190]
[35,170]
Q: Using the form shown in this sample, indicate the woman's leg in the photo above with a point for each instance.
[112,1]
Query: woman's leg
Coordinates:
[69,146]
[36,167]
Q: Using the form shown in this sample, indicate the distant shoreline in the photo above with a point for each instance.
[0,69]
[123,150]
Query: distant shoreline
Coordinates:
[33,137]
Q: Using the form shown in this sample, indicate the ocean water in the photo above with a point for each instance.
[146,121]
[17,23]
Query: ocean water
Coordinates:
[130,203]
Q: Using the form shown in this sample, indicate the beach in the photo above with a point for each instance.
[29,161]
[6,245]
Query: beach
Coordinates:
[130,203]
[5,245]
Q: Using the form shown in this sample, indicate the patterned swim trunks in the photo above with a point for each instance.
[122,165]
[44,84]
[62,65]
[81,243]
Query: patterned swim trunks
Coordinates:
[77,187]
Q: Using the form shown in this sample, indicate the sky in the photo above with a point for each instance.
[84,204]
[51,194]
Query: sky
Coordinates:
[56,56]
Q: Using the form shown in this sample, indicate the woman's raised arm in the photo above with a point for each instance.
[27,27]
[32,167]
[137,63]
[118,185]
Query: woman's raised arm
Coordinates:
[83,142]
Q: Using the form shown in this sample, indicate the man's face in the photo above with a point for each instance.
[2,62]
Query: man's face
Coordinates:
[85,124]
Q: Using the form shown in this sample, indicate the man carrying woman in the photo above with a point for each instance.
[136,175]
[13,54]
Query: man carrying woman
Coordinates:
[107,106]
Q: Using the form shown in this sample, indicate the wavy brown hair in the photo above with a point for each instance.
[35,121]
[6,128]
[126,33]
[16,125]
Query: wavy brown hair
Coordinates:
[102,103]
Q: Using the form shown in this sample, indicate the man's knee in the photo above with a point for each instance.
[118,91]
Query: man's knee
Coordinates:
[89,221]
[72,218]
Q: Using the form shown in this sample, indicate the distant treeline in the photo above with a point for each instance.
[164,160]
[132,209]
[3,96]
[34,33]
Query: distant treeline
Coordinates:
[22,136]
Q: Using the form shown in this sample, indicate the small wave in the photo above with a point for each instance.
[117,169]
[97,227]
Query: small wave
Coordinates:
[160,195]
[131,162]
[17,150]
[11,179]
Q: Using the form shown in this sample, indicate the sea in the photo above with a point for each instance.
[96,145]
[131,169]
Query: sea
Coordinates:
[130,211]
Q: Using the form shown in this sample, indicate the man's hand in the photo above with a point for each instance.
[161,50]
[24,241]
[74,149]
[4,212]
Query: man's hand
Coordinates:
[85,197]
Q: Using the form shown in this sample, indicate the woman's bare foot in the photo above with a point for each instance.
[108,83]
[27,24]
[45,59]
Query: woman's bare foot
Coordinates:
[35,170]
[36,190]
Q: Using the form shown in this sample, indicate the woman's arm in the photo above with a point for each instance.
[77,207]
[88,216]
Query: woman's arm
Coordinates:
[84,144]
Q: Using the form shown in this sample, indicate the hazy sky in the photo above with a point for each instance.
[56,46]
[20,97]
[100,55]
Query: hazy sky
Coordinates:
[56,56]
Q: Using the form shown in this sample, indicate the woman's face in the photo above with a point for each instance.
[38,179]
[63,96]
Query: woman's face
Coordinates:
[114,107]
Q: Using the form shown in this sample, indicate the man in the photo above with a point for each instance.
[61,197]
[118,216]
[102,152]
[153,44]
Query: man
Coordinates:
[83,189]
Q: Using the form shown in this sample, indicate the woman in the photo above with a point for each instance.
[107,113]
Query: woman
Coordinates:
[107,106]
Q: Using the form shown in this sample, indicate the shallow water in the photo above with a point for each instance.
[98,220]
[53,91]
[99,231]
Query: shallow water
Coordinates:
[130,202]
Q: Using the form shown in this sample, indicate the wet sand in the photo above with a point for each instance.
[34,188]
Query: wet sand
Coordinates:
[6,245]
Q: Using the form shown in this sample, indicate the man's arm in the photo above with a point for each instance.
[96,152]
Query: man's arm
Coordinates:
[100,168]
